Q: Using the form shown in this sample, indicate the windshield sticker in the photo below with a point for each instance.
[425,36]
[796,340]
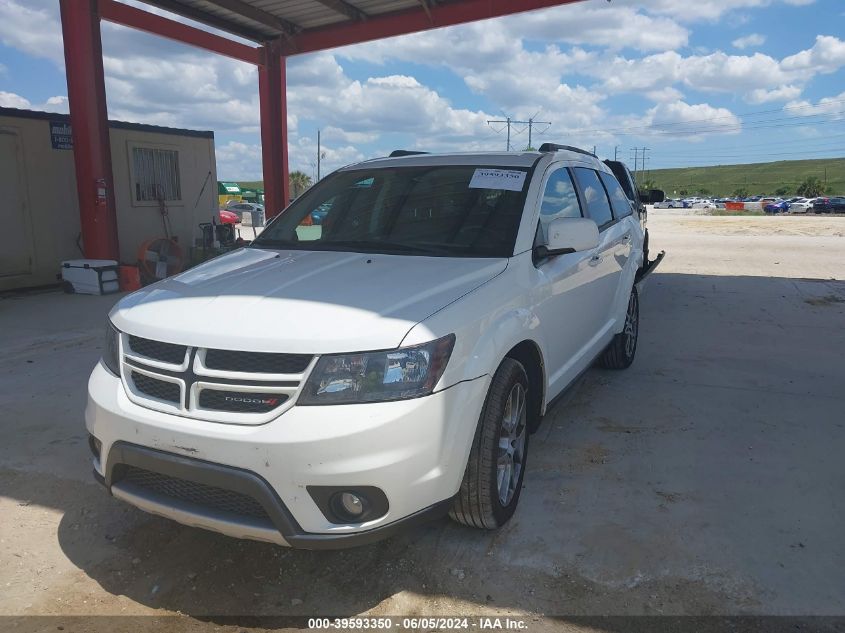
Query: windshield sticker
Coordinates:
[507,179]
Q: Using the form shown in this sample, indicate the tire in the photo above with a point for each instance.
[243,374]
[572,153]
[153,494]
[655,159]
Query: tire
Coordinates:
[481,502]
[622,349]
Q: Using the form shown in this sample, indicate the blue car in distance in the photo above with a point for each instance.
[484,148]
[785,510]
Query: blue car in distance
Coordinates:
[319,214]
[777,207]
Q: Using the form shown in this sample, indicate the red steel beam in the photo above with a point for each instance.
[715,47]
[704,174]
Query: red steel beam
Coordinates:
[158,25]
[409,21]
[89,119]
[272,93]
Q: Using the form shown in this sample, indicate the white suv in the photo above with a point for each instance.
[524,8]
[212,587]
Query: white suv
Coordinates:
[332,383]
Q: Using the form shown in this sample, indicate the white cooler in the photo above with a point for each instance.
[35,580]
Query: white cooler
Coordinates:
[90,276]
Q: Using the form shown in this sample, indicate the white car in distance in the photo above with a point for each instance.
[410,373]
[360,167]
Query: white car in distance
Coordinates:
[398,356]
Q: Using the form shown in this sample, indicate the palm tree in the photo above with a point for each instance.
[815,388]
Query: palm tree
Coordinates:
[812,187]
[299,182]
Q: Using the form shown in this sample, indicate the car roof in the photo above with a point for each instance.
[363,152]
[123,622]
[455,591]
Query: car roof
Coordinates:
[491,159]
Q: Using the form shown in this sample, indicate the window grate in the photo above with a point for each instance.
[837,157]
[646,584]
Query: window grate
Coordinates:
[156,174]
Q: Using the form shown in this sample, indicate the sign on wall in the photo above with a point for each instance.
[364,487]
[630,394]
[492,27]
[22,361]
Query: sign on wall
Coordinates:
[61,135]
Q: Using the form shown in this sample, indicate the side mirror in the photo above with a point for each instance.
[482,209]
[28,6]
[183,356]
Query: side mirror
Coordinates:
[652,196]
[569,235]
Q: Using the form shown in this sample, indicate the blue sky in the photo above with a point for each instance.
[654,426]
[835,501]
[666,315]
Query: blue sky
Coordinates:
[705,82]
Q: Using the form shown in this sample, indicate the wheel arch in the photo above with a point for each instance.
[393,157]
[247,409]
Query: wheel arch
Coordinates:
[528,353]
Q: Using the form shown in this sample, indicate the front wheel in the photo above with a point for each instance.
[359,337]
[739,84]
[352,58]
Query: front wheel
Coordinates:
[493,477]
[622,349]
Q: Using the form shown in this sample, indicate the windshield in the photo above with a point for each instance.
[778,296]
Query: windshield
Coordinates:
[454,211]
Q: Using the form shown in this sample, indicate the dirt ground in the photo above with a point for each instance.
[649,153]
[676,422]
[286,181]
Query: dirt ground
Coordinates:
[705,480]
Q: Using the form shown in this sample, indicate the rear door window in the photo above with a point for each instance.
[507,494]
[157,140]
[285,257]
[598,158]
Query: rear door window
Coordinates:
[595,197]
[618,199]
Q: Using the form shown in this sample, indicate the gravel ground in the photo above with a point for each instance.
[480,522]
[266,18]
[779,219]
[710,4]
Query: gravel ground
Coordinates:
[705,480]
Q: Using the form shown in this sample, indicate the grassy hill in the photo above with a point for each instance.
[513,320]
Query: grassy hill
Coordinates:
[757,178]
[723,180]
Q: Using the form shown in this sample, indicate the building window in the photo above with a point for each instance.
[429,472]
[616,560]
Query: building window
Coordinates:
[156,174]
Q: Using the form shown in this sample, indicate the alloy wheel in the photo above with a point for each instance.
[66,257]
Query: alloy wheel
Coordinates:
[512,436]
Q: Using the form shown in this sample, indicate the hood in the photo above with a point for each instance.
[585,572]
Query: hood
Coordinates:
[313,302]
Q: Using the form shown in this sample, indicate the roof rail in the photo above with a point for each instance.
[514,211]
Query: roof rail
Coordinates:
[554,147]
[404,152]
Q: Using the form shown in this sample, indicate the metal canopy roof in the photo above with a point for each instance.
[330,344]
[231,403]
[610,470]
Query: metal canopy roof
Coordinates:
[309,25]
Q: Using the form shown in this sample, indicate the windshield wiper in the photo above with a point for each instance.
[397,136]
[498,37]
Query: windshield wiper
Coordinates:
[376,245]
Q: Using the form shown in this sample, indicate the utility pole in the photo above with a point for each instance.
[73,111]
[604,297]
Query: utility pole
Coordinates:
[615,152]
[318,155]
[636,151]
[530,123]
[643,161]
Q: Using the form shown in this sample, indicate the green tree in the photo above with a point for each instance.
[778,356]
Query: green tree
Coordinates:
[741,192]
[299,182]
[783,191]
[683,193]
[703,191]
[812,187]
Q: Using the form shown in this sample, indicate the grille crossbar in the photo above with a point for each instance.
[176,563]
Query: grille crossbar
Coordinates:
[163,352]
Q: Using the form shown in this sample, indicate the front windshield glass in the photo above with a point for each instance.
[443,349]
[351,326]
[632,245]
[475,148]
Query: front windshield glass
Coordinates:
[453,211]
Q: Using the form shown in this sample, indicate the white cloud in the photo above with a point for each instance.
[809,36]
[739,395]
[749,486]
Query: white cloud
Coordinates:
[680,120]
[53,104]
[12,100]
[826,56]
[781,93]
[749,41]
[831,107]
[712,10]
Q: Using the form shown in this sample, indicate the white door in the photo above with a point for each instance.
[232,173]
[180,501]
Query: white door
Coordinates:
[568,303]
[15,256]
[611,256]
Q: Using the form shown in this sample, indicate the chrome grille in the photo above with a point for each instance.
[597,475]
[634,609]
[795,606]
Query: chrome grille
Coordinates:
[164,352]
[239,401]
[256,362]
[156,388]
[199,494]
[231,387]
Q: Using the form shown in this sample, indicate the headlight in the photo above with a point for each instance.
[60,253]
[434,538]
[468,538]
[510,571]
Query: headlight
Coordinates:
[111,349]
[408,372]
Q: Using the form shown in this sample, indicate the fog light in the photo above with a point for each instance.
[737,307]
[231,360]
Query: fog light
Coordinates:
[351,504]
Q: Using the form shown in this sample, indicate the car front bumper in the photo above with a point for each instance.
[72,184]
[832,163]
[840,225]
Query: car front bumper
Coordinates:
[414,451]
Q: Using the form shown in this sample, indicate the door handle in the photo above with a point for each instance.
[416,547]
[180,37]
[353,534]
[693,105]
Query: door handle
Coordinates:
[626,237]
[595,260]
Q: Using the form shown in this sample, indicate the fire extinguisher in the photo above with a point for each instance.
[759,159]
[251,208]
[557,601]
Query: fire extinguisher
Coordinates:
[102,198]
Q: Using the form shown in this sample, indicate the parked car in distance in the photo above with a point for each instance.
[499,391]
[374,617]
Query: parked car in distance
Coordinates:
[829,205]
[800,205]
[671,203]
[319,214]
[778,206]
[398,357]
[228,217]
[704,204]
[240,207]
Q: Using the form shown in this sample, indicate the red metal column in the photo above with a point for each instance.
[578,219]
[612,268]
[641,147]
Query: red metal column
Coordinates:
[89,118]
[272,92]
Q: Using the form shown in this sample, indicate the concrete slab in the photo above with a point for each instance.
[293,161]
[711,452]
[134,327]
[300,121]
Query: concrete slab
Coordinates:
[706,479]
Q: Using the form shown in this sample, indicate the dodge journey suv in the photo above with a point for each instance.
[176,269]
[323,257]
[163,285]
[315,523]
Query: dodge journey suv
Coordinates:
[384,366]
